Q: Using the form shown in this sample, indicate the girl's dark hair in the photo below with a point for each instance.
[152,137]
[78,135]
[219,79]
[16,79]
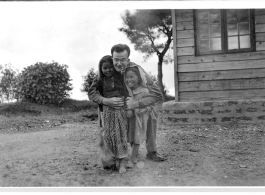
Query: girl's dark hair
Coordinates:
[136,71]
[118,78]
[106,58]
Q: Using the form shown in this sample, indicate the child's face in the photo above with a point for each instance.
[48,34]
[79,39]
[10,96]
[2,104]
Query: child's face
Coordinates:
[132,79]
[107,69]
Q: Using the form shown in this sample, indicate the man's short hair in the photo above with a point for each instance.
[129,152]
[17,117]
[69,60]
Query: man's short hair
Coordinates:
[120,48]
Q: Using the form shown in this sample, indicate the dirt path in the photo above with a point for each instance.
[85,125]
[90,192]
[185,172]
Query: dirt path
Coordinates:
[66,155]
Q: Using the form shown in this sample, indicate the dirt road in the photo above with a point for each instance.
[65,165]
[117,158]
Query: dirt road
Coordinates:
[61,150]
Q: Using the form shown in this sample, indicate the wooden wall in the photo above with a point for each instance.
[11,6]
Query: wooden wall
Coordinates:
[222,76]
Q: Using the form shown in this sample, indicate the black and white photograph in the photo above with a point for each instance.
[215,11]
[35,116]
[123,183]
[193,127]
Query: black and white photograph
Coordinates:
[155,95]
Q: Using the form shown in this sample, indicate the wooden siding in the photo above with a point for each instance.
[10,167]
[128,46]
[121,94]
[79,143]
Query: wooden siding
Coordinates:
[221,57]
[230,65]
[218,85]
[222,76]
[260,37]
[222,95]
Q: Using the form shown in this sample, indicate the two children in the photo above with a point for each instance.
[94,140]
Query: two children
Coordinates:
[115,133]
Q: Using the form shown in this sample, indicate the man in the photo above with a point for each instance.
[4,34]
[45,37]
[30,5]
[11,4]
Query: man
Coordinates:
[120,55]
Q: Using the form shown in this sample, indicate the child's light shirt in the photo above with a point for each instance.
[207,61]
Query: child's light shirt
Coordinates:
[142,114]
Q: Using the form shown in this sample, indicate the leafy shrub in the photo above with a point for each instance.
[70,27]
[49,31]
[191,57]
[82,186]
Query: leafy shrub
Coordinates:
[170,97]
[17,85]
[88,79]
[155,80]
[45,83]
[7,82]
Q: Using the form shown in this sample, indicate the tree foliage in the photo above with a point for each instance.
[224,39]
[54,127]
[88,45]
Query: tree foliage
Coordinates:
[88,79]
[8,82]
[151,33]
[45,83]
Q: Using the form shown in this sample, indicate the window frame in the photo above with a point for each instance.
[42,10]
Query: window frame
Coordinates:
[224,36]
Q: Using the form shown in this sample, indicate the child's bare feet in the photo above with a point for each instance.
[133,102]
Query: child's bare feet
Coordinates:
[135,153]
[134,160]
[122,165]
[129,164]
[122,170]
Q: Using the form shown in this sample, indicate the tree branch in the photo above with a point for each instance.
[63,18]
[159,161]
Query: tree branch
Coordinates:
[149,36]
[169,40]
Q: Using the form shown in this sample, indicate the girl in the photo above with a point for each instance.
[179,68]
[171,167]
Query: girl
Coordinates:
[141,119]
[113,142]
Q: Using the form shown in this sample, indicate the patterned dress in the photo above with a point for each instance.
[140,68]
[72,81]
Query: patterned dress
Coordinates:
[113,144]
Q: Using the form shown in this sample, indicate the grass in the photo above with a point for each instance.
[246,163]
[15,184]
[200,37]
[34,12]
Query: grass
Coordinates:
[28,108]
[34,109]
[78,104]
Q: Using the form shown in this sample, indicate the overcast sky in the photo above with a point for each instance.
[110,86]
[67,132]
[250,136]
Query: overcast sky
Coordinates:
[77,34]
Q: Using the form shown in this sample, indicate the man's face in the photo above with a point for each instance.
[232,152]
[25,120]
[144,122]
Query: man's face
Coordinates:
[120,60]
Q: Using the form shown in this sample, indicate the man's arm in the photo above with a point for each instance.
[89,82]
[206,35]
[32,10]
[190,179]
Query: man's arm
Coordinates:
[154,96]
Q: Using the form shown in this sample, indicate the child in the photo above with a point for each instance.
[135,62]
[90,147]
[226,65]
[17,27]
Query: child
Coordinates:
[135,81]
[113,143]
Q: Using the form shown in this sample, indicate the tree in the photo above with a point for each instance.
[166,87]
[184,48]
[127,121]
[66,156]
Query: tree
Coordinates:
[8,82]
[17,95]
[151,33]
[1,94]
[45,83]
[88,79]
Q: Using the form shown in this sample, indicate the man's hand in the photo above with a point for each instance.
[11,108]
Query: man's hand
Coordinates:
[131,103]
[114,102]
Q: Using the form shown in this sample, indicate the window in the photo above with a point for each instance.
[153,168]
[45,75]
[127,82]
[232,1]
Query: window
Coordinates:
[224,31]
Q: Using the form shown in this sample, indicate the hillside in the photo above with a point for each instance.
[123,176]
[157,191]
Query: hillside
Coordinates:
[24,117]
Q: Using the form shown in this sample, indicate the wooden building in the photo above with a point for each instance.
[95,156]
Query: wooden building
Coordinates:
[219,54]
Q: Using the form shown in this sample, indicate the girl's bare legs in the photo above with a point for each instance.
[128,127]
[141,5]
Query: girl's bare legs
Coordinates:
[135,153]
[134,156]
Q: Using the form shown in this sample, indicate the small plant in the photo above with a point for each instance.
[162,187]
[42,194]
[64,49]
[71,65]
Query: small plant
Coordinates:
[7,82]
[45,83]
[155,80]
[88,79]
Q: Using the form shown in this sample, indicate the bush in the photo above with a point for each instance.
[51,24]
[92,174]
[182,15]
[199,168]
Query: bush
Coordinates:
[170,97]
[17,85]
[45,83]
[7,83]
[88,79]
[155,80]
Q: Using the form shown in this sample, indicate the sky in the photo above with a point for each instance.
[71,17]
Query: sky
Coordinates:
[77,34]
[78,37]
